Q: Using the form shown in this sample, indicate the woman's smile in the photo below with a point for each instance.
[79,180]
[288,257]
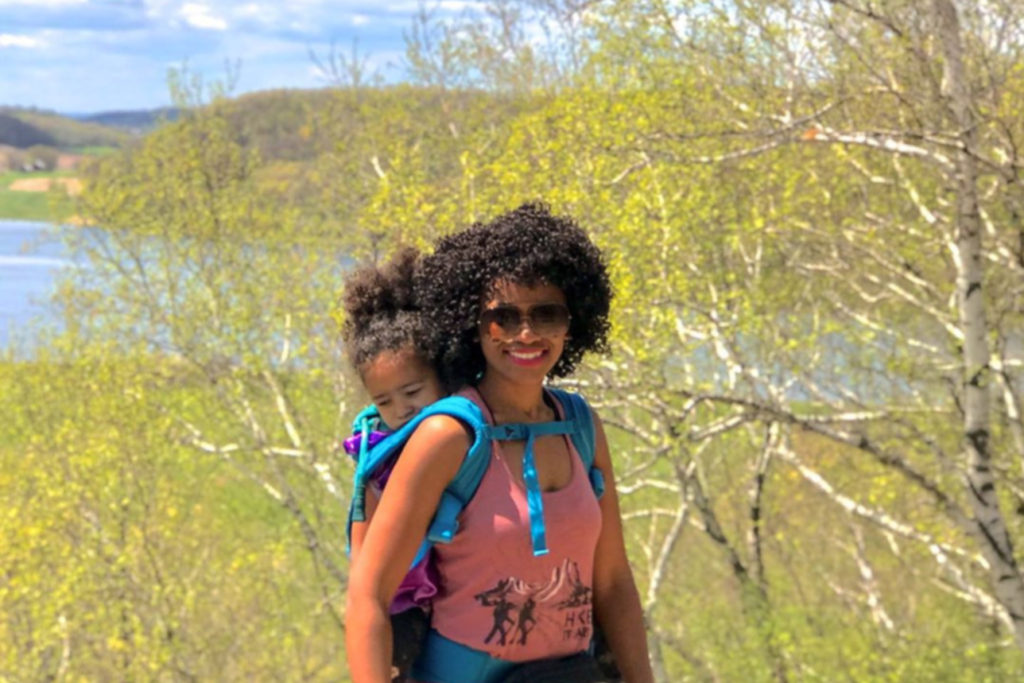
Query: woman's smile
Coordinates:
[527,356]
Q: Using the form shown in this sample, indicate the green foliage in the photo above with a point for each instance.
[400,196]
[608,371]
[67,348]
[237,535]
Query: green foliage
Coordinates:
[782,395]
[124,553]
[95,150]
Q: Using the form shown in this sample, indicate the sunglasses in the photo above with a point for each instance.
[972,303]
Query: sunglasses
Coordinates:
[545,320]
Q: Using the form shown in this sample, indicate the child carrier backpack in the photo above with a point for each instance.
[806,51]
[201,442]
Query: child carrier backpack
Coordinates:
[378,452]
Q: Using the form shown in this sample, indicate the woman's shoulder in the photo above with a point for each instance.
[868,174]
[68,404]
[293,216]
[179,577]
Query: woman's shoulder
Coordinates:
[431,457]
[442,428]
[441,439]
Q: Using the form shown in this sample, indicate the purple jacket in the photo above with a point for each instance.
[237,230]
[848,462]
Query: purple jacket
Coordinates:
[420,584]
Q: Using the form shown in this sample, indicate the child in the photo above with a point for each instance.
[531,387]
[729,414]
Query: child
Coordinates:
[384,338]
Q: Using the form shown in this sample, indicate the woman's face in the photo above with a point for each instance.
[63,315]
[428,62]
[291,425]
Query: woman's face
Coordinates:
[523,330]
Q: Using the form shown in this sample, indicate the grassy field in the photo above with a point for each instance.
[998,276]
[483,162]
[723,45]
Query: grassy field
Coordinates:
[33,206]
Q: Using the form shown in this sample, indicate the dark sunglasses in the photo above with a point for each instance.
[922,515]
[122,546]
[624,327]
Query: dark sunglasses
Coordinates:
[546,320]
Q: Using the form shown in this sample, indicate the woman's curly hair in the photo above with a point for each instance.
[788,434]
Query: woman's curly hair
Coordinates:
[526,246]
[382,313]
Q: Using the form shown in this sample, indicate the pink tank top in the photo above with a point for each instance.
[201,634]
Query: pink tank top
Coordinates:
[495,595]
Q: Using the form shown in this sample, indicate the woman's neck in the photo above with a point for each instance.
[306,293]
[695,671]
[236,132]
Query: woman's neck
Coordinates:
[513,402]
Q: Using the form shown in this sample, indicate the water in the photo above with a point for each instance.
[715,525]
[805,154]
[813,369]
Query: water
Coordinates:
[31,256]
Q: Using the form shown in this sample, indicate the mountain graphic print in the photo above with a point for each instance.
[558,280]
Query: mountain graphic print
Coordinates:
[517,606]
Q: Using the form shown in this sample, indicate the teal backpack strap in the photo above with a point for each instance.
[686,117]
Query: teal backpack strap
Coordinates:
[372,459]
[578,424]
[462,488]
[366,421]
[535,502]
[583,435]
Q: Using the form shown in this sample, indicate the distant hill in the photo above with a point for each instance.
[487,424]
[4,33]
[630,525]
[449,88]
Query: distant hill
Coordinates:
[300,125]
[26,127]
[134,121]
[285,125]
[17,133]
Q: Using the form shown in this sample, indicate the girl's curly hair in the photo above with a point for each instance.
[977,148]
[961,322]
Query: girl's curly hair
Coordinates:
[382,313]
[526,246]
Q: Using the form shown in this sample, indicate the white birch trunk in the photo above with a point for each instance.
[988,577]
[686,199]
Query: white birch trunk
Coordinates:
[991,526]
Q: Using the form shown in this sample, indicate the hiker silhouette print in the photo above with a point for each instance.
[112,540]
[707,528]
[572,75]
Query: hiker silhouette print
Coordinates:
[502,610]
[526,619]
[516,606]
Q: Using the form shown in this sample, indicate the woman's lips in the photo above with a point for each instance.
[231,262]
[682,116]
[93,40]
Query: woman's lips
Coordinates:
[527,357]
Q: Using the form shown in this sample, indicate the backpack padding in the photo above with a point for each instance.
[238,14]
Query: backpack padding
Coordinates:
[578,422]
[584,436]
[457,494]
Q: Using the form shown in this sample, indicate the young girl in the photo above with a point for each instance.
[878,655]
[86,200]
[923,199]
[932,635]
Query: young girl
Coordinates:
[510,303]
[384,336]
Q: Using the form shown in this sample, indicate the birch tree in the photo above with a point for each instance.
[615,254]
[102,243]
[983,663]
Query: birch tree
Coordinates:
[774,184]
[915,102]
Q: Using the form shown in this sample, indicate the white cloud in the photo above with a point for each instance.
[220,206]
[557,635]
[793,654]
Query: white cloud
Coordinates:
[58,54]
[199,16]
[257,11]
[27,42]
[157,9]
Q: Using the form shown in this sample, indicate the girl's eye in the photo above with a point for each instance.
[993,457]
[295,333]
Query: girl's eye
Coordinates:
[383,402]
[413,391]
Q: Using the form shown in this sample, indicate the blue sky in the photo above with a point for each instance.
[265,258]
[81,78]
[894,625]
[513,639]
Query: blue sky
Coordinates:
[83,56]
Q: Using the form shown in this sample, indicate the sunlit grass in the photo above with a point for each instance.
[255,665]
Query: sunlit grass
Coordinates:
[33,206]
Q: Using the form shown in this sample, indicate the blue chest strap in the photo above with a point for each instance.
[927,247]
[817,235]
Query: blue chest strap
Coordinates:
[445,522]
[518,432]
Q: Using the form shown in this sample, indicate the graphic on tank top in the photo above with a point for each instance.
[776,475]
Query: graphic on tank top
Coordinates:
[517,606]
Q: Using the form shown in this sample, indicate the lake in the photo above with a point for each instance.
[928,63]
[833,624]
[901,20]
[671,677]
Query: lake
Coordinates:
[31,256]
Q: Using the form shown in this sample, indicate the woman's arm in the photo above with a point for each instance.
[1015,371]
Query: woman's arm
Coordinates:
[616,600]
[358,531]
[428,463]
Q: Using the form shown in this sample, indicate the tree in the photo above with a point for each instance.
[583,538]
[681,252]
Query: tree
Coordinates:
[215,282]
[772,183]
[224,280]
[811,212]
[951,159]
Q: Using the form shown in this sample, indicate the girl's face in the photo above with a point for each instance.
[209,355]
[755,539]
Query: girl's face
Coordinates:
[400,384]
[523,330]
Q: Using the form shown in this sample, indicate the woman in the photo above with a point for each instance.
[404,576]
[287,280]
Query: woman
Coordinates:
[512,302]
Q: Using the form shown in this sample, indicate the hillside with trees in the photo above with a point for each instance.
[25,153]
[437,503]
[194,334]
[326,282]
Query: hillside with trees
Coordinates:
[18,133]
[27,127]
[136,121]
[813,218]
